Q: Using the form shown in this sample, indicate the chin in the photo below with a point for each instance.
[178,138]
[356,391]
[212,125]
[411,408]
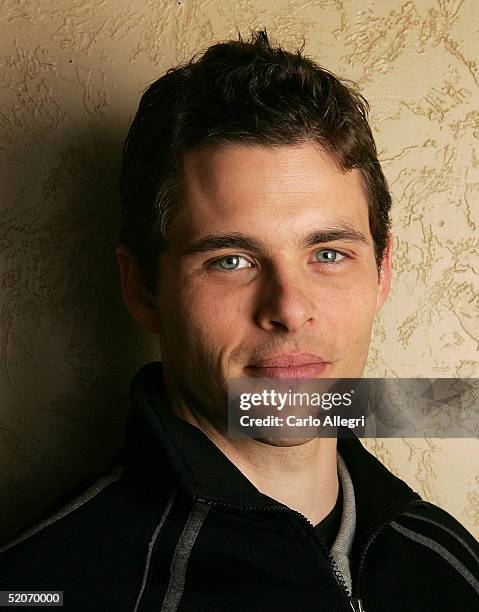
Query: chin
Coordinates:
[284,442]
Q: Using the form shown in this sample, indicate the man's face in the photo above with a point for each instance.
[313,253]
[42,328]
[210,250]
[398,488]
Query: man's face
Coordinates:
[271,272]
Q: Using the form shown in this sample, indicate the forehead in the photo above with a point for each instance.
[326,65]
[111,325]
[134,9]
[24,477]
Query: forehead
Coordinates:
[259,189]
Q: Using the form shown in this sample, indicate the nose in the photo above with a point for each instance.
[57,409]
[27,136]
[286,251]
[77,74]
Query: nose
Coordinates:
[285,303]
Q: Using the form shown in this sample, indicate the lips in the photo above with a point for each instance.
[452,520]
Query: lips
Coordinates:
[288,365]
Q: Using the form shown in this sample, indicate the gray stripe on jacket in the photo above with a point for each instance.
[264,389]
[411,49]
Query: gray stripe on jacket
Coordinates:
[182,553]
[88,494]
[151,545]
[450,531]
[440,550]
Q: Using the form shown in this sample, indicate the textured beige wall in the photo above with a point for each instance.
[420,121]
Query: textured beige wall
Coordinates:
[71,74]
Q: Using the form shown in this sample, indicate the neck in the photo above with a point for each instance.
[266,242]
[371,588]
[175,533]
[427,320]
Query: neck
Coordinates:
[304,477]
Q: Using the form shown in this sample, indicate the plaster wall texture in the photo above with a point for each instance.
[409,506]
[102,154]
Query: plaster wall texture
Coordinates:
[71,75]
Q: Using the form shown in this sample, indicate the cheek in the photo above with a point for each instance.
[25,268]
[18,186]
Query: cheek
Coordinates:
[352,307]
[211,317]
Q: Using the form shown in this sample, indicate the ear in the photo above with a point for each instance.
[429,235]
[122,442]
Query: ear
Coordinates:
[385,274]
[138,299]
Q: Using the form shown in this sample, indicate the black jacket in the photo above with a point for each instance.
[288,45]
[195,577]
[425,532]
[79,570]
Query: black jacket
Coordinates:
[174,525]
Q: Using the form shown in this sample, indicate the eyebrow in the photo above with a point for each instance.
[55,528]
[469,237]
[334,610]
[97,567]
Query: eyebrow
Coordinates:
[235,240]
[215,242]
[330,234]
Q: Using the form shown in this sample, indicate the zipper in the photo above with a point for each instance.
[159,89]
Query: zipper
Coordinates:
[356,602]
[332,563]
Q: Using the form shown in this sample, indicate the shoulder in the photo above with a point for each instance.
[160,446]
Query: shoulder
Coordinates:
[89,532]
[433,528]
[431,556]
[62,512]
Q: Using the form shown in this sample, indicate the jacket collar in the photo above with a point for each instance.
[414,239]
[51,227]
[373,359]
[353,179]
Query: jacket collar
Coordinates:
[154,435]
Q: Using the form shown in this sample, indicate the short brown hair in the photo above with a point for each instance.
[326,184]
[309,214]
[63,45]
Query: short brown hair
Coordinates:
[240,92]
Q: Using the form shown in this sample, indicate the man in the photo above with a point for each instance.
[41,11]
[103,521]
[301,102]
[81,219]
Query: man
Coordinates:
[255,243]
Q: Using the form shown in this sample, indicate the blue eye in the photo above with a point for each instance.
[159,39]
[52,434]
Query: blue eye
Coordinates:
[232,262]
[328,256]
